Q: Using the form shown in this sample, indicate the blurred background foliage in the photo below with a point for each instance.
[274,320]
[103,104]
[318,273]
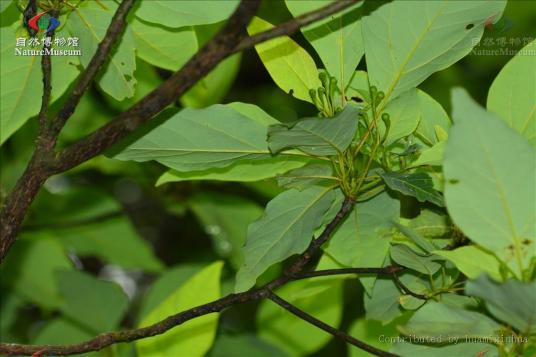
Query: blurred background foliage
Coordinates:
[104,231]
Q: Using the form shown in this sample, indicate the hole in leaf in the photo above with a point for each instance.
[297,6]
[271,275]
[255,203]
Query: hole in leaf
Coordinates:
[291,92]
[122,63]
[454,181]
[470,26]
[128,78]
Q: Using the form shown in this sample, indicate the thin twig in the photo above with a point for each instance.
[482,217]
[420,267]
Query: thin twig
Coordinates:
[405,289]
[109,338]
[388,270]
[75,223]
[111,37]
[292,26]
[329,329]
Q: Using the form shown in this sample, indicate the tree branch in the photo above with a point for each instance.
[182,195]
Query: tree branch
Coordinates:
[99,58]
[109,338]
[228,41]
[38,169]
[329,329]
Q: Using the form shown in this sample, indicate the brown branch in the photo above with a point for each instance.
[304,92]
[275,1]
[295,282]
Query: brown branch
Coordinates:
[109,338]
[225,43]
[99,58]
[329,329]
[292,26]
[38,169]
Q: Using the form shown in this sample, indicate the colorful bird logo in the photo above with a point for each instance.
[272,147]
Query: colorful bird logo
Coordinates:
[43,22]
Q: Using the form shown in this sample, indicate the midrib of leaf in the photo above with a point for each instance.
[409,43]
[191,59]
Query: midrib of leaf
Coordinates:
[526,123]
[323,138]
[400,71]
[88,25]
[304,211]
[506,206]
[154,48]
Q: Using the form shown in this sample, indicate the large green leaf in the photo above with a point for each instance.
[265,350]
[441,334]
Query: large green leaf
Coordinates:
[185,12]
[472,261]
[30,270]
[289,65]
[303,177]
[21,86]
[337,39]
[512,301]
[285,229]
[4,4]
[375,334]
[192,338]
[225,219]
[89,23]
[418,185]
[433,116]
[95,304]
[407,41]
[241,171]
[403,117]
[198,139]
[316,136]
[405,256]
[383,303]
[320,297]
[458,349]
[163,47]
[512,93]
[490,174]
[243,344]
[363,238]
[440,322]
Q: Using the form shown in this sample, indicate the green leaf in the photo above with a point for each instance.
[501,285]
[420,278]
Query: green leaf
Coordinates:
[30,270]
[198,139]
[185,12]
[289,65]
[192,338]
[286,228]
[317,136]
[163,47]
[405,256]
[169,281]
[375,334]
[337,39]
[21,87]
[472,261]
[4,4]
[490,175]
[407,41]
[457,349]
[225,219]
[431,156]
[303,177]
[363,238]
[418,185]
[511,301]
[512,93]
[383,303]
[95,304]
[432,116]
[423,243]
[441,322]
[241,171]
[243,344]
[403,115]
[321,298]
[89,23]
